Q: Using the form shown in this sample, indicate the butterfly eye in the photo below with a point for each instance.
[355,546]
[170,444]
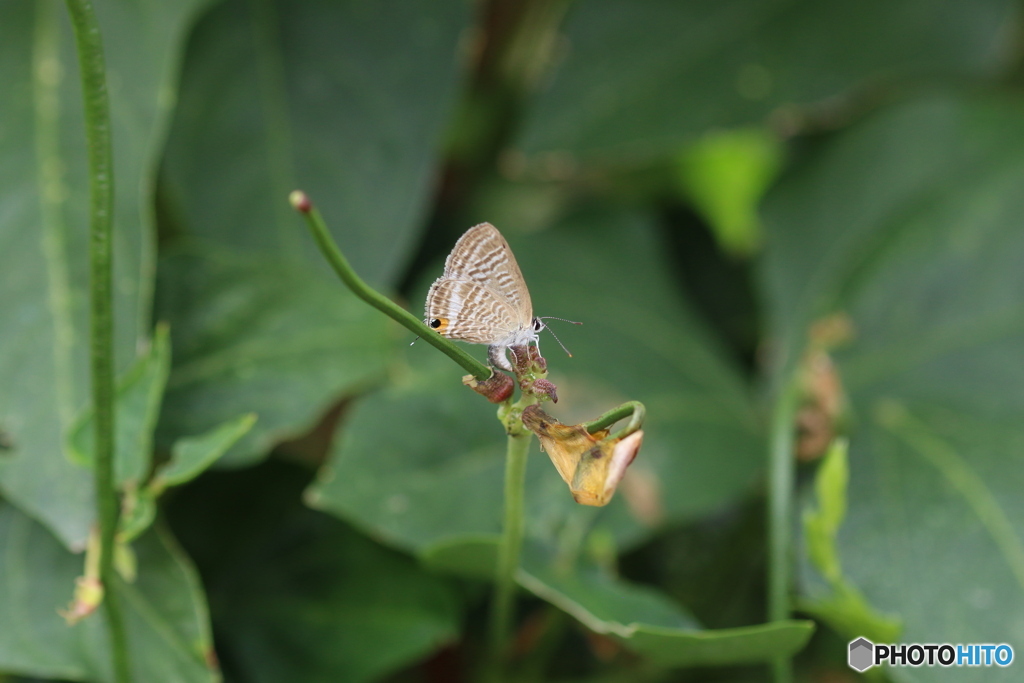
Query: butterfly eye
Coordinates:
[537,325]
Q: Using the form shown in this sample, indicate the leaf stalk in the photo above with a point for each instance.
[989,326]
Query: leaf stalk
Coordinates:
[301,203]
[781,475]
[509,550]
[633,409]
[92,71]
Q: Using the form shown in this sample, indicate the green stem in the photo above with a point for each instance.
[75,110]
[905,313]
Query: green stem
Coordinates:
[97,132]
[781,474]
[341,266]
[634,408]
[509,550]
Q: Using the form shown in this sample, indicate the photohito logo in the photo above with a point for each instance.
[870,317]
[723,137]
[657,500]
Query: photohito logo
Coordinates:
[864,654]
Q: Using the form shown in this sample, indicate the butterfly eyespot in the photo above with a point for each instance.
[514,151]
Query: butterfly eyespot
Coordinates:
[439,323]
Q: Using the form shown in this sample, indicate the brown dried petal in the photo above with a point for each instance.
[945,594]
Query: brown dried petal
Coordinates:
[592,465]
[822,407]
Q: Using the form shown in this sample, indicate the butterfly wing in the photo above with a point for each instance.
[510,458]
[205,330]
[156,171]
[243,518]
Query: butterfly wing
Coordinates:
[469,311]
[483,256]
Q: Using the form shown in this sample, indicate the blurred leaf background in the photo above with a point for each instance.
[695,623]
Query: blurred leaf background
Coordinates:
[701,183]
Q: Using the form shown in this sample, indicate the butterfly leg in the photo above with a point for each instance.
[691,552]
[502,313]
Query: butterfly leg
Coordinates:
[497,358]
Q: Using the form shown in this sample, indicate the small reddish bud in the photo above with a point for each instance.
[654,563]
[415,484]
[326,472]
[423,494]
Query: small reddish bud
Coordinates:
[531,370]
[534,354]
[546,387]
[496,388]
[300,201]
[539,364]
[521,359]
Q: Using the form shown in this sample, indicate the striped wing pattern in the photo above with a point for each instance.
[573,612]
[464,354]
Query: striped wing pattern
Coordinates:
[483,256]
[470,311]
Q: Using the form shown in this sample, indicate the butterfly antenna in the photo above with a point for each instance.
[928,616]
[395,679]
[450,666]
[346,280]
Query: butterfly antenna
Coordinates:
[414,341]
[559,340]
[551,317]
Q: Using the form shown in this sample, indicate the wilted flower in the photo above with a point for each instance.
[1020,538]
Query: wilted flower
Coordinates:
[823,401]
[88,596]
[88,587]
[591,464]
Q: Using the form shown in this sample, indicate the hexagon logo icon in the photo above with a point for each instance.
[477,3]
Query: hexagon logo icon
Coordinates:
[861,654]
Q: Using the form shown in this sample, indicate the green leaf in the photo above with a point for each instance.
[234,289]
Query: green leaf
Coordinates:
[256,335]
[909,224]
[821,524]
[190,456]
[43,234]
[299,596]
[340,608]
[641,618]
[165,613]
[423,459]
[846,610]
[725,174]
[843,607]
[589,593]
[137,407]
[346,101]
[640,78]
[472,556]
[138,511]
[744,644]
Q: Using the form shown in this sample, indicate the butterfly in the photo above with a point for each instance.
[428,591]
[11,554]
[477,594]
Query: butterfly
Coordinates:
[482,297]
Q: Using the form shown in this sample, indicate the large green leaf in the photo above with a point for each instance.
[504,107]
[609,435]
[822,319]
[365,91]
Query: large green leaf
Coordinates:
[423,459]
[643,619]
[251,334]
[299,596]
[165,613]
[44,229]
[638,78]
[347,100]
[910,225]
